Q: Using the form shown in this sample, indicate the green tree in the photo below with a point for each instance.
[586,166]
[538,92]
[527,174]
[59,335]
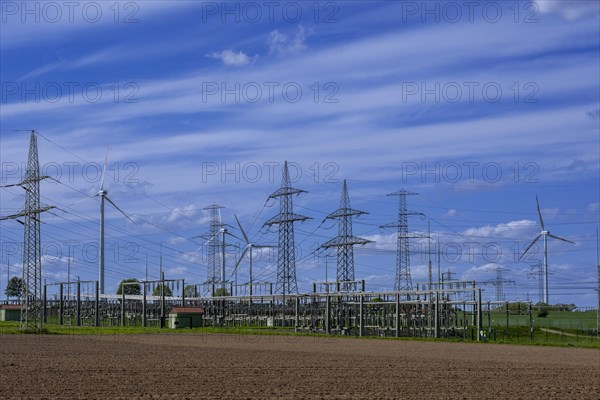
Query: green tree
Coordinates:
[158,290]
[221,292]
[130,289]
[15,287]
[190,291]
[543,313]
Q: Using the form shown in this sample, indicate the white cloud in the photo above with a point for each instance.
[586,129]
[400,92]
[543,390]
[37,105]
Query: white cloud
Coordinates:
[480,272]
[231,58]
[282,44]
[379,281]
[593,207]
[382,241]
[173,240]
[570,10]
[179,218]
[512,229]
[179,271]
[549,212]
[451,213]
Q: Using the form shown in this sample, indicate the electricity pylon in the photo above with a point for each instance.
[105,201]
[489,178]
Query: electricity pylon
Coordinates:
[286,257]
[403,277]
[498,283]
[537,271]
[344,241]
[31,305]
[214,245]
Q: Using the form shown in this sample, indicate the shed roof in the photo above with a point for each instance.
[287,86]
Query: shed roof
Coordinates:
[11,307]
[186,310]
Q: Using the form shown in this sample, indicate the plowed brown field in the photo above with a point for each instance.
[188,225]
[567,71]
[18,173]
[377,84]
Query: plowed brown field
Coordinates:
[181,366]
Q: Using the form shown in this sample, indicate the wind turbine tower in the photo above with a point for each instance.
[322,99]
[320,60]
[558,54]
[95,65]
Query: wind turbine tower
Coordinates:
[103,193]
[249,248]
[545,234]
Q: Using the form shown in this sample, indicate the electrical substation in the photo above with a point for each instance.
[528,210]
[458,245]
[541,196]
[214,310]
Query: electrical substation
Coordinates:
[438,308]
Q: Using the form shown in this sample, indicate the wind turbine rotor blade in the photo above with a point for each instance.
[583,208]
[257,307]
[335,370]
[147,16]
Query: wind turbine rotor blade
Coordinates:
[204,244]
[232,235]
[211,238]
[559,238]
[539,212]
[80,200]
[121,211]
[241,229]
[528,247]
[104,169]
[262,246]
[206,237]
[240,259]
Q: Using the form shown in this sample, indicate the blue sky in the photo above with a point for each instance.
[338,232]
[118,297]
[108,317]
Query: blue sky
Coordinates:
[477,109]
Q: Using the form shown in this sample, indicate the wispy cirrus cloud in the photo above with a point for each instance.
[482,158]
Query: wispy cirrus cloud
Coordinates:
[287,43]
[571,9]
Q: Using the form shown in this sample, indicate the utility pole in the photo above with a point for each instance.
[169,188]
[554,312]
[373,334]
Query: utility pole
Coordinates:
[69,274]
[344,241]
[326,275]
[439,260]
[598,283]
[223,232]
[447,276]
[7,271]
[160,265]
[429,275]
[31,307]
[286,257]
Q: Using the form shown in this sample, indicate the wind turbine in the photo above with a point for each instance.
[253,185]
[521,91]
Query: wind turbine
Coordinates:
[103,193]
[249,246]
[545,233]
[220,233]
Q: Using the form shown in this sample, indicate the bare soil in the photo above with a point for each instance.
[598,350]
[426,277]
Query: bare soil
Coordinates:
[216,366]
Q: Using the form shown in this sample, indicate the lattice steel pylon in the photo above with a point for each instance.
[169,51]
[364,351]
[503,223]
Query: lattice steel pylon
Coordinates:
[345,241]
[537,271]
[499,284]
[286,258]
[214,244]
[31,305]
[403,277]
